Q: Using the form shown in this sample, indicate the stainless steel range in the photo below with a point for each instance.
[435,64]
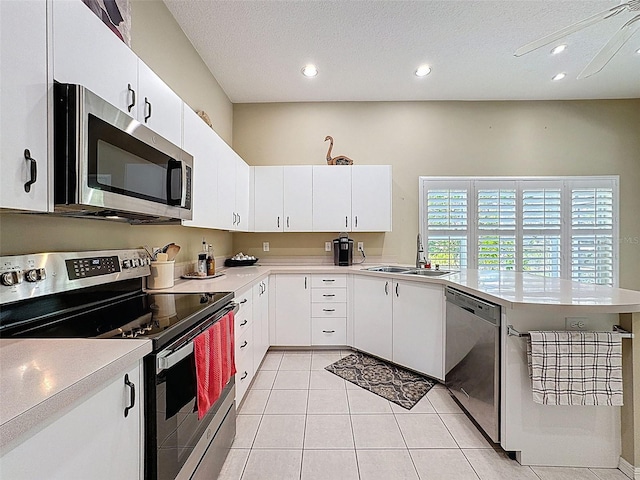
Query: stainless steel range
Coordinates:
[98,294]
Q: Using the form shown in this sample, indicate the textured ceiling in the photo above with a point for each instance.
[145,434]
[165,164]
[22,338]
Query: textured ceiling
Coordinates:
[368,50]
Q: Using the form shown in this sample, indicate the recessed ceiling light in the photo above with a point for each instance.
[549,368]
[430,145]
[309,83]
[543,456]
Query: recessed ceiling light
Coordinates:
[309,71]
[558,49]
[423,71]
[559,76]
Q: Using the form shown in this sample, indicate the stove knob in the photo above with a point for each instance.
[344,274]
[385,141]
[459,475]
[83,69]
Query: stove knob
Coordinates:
[126,264]
[11,278]
[31,276]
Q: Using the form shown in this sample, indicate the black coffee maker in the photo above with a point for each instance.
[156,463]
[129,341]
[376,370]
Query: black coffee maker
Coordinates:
[343,250]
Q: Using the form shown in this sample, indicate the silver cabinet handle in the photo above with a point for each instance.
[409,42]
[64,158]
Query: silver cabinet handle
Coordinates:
[346,221]
[239,219]
[244,344]
[356,221]
[305,283]
[33,170]
[287,221]
[278,222]
[328,331]
[244,322]
[386,288]
[147,111]
[328,295]
[328,309]
[329,280]
[397,290]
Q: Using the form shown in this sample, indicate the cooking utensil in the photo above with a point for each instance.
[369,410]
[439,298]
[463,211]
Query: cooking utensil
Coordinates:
[172,251]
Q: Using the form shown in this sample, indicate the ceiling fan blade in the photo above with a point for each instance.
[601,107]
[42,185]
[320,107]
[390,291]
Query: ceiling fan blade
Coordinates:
[607,52]
[587,22]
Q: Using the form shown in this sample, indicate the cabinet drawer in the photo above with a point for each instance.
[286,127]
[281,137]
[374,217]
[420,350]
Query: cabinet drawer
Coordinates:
[326,309]
[328,281]
[244,343]
[329,295]
[328,331]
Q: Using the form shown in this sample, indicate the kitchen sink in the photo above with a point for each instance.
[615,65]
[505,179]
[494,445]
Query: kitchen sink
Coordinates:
[427,273]
[388,269]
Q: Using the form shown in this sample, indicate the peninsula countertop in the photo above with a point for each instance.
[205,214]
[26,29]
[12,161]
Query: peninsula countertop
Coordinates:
[40,378]
[507,288]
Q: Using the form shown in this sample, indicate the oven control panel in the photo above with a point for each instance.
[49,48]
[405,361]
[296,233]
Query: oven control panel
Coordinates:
[28,276]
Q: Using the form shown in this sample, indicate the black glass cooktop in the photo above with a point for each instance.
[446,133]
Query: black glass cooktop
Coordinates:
[109,312]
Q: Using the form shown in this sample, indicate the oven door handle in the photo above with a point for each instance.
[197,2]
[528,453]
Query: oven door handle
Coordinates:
[174,357]
[169,358]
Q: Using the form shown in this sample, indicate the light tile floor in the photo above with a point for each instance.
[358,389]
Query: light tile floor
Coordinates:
[300,422]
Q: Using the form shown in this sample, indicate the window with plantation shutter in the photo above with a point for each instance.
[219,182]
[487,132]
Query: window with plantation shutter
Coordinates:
[555,226]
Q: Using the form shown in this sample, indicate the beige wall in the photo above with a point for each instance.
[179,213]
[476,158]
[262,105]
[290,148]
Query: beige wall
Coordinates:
[161,43]
[447,138]
[157,39]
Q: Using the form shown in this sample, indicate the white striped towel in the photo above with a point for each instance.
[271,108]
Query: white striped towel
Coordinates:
[576,368]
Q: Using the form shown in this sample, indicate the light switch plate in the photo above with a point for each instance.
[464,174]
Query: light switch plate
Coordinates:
[265,246]
[327,246]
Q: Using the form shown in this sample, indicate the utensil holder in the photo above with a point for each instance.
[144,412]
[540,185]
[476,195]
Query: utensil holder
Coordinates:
[161,275]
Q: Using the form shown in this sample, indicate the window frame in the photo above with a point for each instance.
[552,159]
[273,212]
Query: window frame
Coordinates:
[521,183]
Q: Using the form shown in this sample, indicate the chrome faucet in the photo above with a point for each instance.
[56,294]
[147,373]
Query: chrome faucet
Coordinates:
[420,261]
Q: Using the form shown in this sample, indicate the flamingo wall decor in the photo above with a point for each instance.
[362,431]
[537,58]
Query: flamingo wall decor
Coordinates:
[338,160]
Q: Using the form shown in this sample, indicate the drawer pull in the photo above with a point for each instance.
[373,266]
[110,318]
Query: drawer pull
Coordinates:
[328,309]
[331,280]
[244,322]
[244,344]
[132,397]
[328,331]
[244,300]
[244,375]
[329,295]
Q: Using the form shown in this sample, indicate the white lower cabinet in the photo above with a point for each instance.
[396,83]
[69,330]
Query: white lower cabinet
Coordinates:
[418,327]
[400,321]
[292,310]
[372,316]
[243,333]
[93,440]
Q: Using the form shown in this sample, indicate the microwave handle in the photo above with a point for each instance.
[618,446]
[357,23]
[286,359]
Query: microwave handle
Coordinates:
[173,197]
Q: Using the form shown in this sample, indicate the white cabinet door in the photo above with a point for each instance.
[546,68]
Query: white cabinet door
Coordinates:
[23,104]
[86,52]
[298,198]
[93,440]
[242,194]
[159,108]
[226,214]
[372,316]
[371,198]
[418,327]
[205,146]
[268,199]
[331,198]
[260,321]
[292,310]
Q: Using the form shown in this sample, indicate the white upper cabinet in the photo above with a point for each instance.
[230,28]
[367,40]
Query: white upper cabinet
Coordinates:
[23,105]
[242,194]
[206,147]
[371,198]
[159,108]
[298,199]
[268,199]
[87,53]
[331,198]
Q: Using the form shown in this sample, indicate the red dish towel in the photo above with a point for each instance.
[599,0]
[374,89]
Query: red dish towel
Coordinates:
[215,362]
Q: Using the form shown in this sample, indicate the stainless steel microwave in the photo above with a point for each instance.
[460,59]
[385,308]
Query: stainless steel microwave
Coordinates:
[108,165]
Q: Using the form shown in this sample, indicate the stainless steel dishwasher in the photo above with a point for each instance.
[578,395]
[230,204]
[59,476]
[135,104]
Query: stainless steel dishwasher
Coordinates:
[472,360]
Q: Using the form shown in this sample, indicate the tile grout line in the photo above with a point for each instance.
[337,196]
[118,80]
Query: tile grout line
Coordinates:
[306,414]
[404,440]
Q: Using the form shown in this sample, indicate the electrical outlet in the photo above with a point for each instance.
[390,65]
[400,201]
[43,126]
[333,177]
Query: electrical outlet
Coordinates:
[576,323]
[265,246]
[360,246]
[327,246]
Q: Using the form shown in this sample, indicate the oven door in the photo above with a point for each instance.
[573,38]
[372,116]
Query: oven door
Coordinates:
[107,160]
[174,435]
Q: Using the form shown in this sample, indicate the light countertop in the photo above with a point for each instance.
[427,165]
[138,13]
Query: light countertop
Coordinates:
[41,378]
[507,288]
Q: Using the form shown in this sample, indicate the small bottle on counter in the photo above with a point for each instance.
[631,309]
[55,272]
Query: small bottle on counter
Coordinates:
[202,260]
[211,261]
